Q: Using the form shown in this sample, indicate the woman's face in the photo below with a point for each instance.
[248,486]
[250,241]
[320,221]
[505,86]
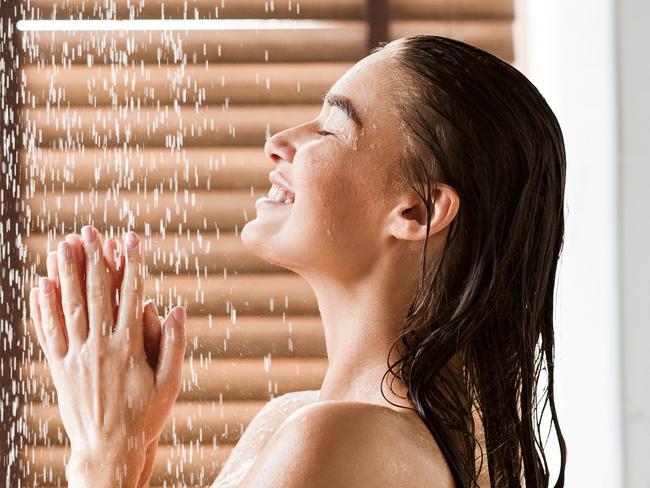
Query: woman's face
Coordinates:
[341,181]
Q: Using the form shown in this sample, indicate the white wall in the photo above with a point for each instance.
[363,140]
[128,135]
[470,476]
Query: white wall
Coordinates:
[633,34]
[567,49]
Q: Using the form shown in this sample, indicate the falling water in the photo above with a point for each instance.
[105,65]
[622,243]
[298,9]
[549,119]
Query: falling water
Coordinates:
[159,131]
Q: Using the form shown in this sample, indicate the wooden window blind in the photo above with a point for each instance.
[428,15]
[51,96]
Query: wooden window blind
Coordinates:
[163,132]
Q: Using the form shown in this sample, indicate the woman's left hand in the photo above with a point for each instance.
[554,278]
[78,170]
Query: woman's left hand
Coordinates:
[113,404]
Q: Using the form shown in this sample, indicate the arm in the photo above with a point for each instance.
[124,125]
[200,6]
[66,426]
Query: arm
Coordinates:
[147,469]
[111,468]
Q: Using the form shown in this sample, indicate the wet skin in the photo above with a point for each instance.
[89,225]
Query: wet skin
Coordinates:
[116,368]
[355,233]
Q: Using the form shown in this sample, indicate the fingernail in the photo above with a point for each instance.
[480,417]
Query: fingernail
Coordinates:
[131,240]
[64,251]
[152,305]
[88,234]
[45,285]
[72,238]
[179,315]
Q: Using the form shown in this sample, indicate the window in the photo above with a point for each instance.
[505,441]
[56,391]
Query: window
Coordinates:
[160,128]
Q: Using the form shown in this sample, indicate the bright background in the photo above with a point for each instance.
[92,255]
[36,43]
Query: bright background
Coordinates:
[589,58]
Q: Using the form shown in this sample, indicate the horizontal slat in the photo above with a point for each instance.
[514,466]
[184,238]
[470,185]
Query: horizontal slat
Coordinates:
[215,380]
[70,128]
[215,168]
[206,211]
[454,9]
[256,336]
[493,36]
[344,41]
[250,336]
[248,294]
[194,465]
[189,422]
[178,253]
[305,9]
[179,9]
[261,83]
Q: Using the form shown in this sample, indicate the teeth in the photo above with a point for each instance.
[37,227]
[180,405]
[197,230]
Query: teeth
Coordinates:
[279,195]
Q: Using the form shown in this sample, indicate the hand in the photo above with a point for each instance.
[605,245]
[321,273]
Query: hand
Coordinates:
[115,263]
[113,403]
[152,322]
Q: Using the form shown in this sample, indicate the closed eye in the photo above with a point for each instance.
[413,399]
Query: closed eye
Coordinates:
[324,133]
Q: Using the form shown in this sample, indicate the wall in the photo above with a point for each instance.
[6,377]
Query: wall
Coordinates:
[568,50]
[633,65]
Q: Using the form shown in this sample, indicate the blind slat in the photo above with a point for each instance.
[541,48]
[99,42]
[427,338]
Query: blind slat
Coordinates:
[223,379]
[303,9]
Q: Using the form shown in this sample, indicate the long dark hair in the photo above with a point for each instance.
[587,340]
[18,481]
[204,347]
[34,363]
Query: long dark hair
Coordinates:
[478,341]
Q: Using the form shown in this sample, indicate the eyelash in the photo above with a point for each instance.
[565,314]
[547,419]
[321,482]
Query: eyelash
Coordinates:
[324,133]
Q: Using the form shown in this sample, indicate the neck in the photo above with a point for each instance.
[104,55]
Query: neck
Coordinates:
[361,321]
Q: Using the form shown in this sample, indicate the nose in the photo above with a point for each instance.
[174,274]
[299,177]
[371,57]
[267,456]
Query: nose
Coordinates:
[279,147]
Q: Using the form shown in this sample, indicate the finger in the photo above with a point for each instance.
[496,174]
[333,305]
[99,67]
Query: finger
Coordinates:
[111,258]
[172,352]
[52,326]
[52,269]
[35,315]
[98,290]
[53,274]
[73,296]
[152,333]
[78,251]
[114,260]
[132,294]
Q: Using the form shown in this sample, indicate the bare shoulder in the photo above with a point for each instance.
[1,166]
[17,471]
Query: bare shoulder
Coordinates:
[258,433]
[294,399]
[349,444]
[279,408]
[276,410]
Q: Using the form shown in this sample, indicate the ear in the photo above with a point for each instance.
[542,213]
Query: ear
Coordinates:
[407,219]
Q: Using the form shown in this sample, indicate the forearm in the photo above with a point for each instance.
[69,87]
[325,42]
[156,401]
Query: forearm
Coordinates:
[105,469]
[147,469]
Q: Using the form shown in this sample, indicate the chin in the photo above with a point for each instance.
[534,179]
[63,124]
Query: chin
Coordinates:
[251,236]
[258,240]
[269,246]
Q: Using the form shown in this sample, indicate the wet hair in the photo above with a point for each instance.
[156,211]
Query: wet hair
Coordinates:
[476,352]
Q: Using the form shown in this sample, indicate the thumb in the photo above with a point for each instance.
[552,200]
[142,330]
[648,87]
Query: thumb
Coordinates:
[172,352]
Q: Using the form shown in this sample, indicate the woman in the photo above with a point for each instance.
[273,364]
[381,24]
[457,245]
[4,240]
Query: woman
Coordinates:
[424,205]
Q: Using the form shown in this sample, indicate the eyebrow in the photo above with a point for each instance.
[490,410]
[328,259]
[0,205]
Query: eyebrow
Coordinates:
[344,104]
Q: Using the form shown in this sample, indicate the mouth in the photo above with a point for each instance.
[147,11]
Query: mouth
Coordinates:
[279,193]
[276,198]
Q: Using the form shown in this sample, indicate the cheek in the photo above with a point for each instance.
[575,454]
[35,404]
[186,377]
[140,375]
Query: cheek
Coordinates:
[338,209]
